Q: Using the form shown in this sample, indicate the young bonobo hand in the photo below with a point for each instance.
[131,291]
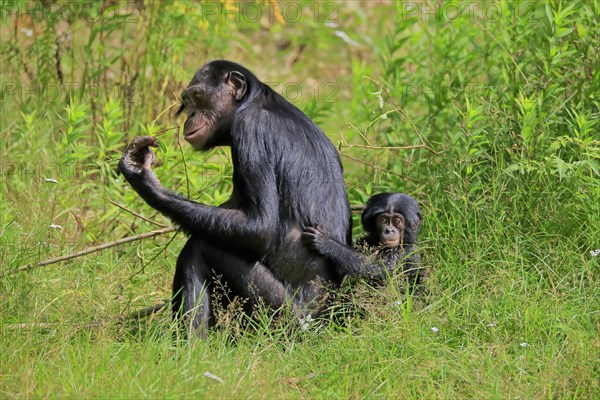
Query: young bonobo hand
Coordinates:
[314,239]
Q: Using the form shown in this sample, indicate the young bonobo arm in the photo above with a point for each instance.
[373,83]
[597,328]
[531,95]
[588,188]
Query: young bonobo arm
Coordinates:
[234,225]
[345,259]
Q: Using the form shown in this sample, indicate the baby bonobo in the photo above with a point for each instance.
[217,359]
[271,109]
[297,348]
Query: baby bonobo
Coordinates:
[392,222]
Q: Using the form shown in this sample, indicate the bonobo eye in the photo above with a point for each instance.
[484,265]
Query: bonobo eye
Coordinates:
[383,221]
[194,98]
[185,102]
[180,109]
[397,221]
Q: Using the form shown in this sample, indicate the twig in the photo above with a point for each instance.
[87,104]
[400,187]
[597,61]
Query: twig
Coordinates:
[50,325]
[494,38]
[136,214]
[143,313]
[363,135]
[90,250]
[31,325]
[164,111]
[404,114]
[364,146]
[161,131]
[376,167]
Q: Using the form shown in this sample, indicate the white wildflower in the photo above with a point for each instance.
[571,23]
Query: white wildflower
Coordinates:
[212,376]
[54,226]
[51,180]
[523,344]
[595,253]
[434,329]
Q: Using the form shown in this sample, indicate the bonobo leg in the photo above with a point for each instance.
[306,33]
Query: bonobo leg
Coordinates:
[200,262]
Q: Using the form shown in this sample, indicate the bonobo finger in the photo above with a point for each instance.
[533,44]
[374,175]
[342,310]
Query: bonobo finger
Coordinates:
[141,142]
[307,234]
[310,239]
[149,158]
[309,230]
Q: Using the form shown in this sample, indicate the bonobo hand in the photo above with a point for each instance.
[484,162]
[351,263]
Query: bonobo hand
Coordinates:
[313,238]
[138,158]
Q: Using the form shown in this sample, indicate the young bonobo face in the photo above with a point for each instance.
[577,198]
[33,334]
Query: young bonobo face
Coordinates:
[211,100]
[390,228]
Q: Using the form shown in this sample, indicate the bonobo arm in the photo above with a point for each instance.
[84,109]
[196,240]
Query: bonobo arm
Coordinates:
[247,229]
[345,259]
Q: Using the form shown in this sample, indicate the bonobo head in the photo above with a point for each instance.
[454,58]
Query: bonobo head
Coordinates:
[211,99]
[391,219]
[388,228]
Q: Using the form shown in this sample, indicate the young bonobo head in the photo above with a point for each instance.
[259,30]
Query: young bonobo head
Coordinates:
[211,99]
[389,227]
[391,220]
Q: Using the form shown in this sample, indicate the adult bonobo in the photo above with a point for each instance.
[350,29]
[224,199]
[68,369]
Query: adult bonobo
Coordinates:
[286,175]
[392,222]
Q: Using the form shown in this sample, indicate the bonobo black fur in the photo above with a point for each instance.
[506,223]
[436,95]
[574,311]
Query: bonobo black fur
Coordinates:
[286,175]
[392,222]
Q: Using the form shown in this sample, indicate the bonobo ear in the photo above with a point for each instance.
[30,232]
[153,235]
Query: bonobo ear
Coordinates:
[237,81]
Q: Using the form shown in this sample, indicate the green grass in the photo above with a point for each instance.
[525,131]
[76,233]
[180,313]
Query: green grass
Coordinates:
[507,107]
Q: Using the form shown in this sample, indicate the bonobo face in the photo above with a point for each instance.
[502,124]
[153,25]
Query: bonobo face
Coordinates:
[390,228]
[210,101]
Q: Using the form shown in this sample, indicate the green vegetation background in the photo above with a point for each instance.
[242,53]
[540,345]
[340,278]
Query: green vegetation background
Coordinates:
[486,112]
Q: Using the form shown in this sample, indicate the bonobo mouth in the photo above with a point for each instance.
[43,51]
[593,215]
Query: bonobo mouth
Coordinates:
[192,133]
[390,243]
